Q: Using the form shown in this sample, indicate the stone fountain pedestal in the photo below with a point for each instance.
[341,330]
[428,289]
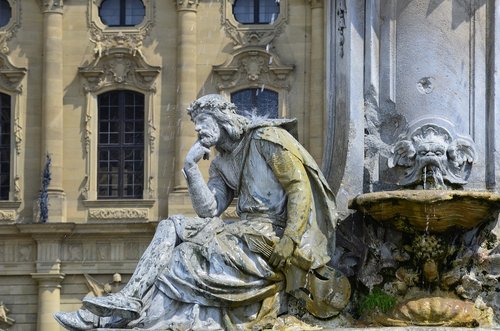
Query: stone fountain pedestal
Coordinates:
[443,260]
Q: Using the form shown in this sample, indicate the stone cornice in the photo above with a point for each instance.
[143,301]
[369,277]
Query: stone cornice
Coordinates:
[187,5]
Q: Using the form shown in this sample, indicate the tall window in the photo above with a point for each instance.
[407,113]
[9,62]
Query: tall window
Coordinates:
[256,11]
[121,12]
[256,101]
[120,146]
[4,146]
[5,13]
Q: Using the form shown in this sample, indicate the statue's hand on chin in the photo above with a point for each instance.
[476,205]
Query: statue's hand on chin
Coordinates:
[195,154]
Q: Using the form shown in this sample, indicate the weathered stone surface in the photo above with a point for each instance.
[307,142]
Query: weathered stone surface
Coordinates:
[428,210]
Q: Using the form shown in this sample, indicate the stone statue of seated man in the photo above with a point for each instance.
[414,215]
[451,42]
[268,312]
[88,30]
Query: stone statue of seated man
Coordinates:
[207,274]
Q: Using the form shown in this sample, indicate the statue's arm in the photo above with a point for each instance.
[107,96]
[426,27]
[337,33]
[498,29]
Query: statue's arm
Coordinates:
[210,199]
[292,176]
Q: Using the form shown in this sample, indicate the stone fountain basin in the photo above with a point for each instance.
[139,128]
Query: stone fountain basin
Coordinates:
[432,211]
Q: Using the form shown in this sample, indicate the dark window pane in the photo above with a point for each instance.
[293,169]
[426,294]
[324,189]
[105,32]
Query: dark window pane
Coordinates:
[5,13]
[121,145]
[122,12]
[5,124]
[256,11]
[254,101]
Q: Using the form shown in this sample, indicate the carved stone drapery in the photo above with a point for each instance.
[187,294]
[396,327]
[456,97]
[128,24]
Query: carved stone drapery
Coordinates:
[253,67]
[252,34]
[8,31]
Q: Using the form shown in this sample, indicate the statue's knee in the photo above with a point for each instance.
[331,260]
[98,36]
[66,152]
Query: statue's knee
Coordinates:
[166,225]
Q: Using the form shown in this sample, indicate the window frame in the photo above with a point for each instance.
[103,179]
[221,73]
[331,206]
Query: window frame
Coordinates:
[255,97]
[122,146]
[94,20]
[6,146]
[3,27]
[256,13]
[253,34]
[122,16]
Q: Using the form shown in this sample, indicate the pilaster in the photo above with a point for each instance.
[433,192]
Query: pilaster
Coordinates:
[187,89]
[317,81]
[48,270]
[52,104]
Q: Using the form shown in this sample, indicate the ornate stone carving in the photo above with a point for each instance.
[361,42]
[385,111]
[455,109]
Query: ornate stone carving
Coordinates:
[5,321]
[119,213]
[118,67]
[103,251]
[252,34]
[74,252]
[51,5]
[10,75]
[8,215]
[8,32]
[255,67]
[433,158]
[191,5]
[25,253]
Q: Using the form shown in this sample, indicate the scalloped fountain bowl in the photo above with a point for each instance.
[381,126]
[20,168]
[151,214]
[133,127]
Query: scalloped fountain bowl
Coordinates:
[432,211]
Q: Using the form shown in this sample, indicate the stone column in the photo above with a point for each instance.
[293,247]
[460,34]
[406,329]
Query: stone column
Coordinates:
[187,92]
[317,81]
[49,238]
[186,82]
[52,105]
[49,300]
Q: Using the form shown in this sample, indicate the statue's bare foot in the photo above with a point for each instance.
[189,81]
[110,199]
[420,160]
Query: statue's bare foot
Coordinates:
[116,304]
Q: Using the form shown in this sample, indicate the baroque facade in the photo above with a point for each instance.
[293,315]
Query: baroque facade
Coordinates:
[94,130]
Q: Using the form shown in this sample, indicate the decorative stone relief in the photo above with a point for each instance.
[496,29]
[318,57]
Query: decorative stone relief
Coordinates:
[433,157]
[132,250]
[74,252]
[8,215]
[8,32]
[191,5]
[253,67]
[5,321]
[252,34]
[103,251]
[119,213]
[118,67]
[105,38]
[10,75]
[51,5]
[25,253]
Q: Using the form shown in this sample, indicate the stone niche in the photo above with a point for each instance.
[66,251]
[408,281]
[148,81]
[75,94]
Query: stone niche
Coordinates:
[431,71]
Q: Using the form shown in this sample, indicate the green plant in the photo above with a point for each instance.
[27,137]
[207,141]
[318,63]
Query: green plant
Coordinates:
[377,299]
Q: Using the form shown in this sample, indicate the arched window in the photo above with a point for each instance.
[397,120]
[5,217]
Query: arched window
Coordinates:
[4,146]
[121,12]
[256,101]
[5,13]
[256,11]
[120,147]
